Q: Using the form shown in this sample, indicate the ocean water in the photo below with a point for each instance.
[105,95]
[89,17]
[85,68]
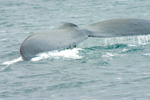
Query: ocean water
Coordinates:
[115,68]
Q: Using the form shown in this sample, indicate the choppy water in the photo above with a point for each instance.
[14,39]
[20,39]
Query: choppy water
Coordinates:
[97,69]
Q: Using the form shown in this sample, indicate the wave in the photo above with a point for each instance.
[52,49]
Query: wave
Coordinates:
[113,46]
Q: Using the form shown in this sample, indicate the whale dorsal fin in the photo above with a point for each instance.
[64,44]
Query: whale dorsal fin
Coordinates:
[67,26]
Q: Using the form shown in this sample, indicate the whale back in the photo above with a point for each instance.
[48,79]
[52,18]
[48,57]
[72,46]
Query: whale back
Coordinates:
[120,27]
[51,40]
[70,34]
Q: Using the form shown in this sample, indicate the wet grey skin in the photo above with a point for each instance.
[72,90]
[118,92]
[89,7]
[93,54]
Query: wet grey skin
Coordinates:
[70,34]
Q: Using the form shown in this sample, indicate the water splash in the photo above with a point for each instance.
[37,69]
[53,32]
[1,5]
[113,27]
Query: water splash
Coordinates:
[69,53]
[131,40]
[13,61]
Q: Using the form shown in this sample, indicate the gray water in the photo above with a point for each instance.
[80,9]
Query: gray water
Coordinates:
[97,69]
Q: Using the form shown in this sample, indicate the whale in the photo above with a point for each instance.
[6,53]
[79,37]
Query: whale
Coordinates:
[69,34]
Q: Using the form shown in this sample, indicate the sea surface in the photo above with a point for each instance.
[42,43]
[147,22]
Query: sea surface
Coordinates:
[115,68]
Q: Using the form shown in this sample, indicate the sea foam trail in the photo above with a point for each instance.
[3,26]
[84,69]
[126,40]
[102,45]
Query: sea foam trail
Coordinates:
[69,53]
[13,61]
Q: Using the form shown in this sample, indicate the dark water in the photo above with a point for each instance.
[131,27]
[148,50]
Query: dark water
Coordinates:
[97,69]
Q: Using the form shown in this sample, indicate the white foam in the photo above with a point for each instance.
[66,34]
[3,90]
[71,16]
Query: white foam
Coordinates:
[69,53]
[146,54]
[3,31]
[124,50]
[108,55]
[13,61]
